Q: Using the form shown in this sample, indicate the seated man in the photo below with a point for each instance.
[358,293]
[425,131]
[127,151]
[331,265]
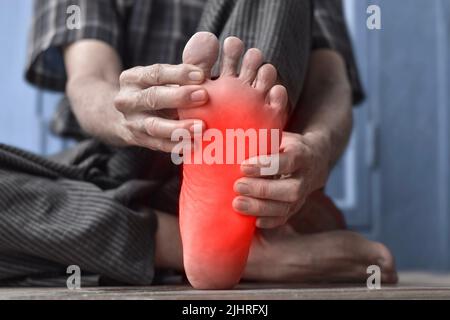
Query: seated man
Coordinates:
[109,204]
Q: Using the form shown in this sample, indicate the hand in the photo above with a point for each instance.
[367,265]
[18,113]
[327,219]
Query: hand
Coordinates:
[303,166]
[149,98]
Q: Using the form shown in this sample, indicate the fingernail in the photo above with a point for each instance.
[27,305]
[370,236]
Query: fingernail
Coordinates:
[242,188]
[250,170]
[242,205]
[195,75]
[199,95]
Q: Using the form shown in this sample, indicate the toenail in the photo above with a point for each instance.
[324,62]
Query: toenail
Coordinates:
[199,95]
[242,205]
[195,75]
[243,188]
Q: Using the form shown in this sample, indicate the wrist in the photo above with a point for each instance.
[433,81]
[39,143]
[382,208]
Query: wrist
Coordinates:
[321,140]
[321,143]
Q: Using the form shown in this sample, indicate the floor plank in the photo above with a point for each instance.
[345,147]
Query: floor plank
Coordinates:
[411,286]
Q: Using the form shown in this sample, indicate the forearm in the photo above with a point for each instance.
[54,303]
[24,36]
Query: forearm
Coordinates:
[93,70]
[325,108]
[92,101]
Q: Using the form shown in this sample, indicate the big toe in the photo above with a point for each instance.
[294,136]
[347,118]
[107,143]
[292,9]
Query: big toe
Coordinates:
[202,51]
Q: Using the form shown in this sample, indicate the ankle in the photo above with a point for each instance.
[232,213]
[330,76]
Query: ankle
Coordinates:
[168,250]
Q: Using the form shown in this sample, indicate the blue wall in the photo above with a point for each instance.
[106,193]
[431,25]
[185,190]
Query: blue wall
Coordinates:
[393,182]
[24,111]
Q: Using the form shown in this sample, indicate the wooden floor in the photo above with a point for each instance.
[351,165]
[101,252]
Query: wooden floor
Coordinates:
[411,286]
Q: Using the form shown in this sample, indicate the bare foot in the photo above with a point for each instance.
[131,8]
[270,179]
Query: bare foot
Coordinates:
[283,255]
[216,238]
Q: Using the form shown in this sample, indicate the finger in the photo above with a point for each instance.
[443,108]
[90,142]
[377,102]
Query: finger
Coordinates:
[162,74]
[164,128]
[160,97]
[165,145]
[261,208]
[281,163]
[156,98]
[285,190]
[270,222]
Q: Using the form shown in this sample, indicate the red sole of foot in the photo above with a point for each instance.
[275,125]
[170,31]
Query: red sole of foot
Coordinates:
[216,239]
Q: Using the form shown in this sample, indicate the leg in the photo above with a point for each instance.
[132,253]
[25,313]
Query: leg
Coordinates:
[168,250]
[271,26]
[48,222]
[318,214]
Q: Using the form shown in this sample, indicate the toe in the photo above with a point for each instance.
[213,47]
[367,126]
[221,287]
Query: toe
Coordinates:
[265,78]
[202,50]
[277,99]
[381,256]
[251,62]
[389,278]
[385,258]
[232,51]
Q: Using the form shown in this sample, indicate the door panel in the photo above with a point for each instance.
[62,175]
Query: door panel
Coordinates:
[414,136]
[349,183]
[402,154]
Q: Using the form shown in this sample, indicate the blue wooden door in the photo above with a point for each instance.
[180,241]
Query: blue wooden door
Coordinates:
[410,83]
[395,178]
